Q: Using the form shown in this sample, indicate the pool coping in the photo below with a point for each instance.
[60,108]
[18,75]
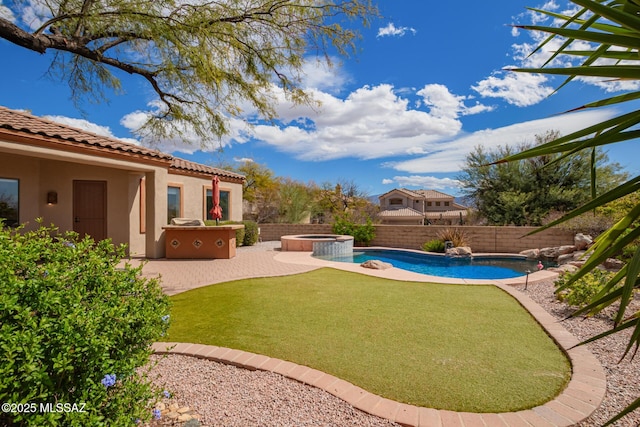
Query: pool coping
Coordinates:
[582,396]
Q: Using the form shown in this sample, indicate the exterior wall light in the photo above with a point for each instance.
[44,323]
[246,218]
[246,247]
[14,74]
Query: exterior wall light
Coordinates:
[52,198]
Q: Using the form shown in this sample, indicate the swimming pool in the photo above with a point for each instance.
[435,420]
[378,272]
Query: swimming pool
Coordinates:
[477,267]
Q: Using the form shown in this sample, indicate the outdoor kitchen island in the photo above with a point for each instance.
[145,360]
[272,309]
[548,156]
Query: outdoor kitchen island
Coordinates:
[200,241]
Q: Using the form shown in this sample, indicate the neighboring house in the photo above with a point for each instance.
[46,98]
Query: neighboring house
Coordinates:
[101,186]
[410,207]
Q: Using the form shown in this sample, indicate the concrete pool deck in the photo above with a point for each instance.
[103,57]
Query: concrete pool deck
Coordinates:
[577,401]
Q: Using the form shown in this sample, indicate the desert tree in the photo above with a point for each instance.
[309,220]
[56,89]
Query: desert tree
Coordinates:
[206,60]
[525,192]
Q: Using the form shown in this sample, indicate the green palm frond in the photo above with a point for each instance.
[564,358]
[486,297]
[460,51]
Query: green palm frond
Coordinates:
[612,29]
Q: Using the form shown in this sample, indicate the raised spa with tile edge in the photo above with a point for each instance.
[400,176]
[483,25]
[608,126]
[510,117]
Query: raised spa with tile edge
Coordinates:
[319,244]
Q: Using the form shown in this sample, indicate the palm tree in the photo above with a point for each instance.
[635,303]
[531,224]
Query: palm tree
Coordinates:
[612,30]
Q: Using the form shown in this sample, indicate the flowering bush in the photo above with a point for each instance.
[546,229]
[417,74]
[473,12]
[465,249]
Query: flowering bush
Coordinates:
[74,329]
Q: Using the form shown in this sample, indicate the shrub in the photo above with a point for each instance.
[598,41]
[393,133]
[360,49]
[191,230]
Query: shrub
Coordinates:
[250,233]
[240,236]
[343,226]
[240,232]
[457,236]
[362,234]
[583,289]
[74,329]
[434,246]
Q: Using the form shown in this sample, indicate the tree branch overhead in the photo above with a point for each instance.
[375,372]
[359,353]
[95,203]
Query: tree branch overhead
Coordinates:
[202,59]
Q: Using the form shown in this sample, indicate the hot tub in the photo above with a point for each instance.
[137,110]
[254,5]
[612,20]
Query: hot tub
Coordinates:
[319,244]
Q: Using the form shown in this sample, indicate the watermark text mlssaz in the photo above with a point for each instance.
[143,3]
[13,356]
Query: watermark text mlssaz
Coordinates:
[33,408]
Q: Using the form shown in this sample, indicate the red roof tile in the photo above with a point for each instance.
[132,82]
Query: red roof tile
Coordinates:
[26,123]
[186,165]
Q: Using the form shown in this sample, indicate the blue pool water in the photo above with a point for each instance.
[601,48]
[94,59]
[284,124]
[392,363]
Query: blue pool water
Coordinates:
[435,265]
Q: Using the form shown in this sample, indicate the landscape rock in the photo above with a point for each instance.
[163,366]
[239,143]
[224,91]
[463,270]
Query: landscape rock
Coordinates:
[582,241]
[461,251]
[567,249]
[579,256]
[613,264]
[550,253]
[565,259]
[531,253]
[376,264]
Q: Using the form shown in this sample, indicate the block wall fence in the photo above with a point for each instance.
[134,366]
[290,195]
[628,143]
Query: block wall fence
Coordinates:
[480,239]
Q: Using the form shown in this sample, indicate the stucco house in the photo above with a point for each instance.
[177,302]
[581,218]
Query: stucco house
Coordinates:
[417,207]
[101,186]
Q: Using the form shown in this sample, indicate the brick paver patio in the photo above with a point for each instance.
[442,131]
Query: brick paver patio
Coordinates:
[581,397]
[253,261]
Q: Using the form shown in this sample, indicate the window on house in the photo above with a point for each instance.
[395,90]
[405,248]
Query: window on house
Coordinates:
[174,203]
[446,203]
[224,204]
[437,203]
[9,201]
[429,203]
[395,202]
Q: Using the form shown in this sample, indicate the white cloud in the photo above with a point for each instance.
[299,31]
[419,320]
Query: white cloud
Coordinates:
[446,156]
[6,13]
[392,30]
[525,89]
[610,85]
[186,140]
[520,89]
[89,127]
[422,181]
[318,74]
[443,103]
[34,13]
[371,122]
[243,160]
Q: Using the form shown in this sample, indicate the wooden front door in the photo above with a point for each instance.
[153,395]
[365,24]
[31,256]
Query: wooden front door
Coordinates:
[90,209]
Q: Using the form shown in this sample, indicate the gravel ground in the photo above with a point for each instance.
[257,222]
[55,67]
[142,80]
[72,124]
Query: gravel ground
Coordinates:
[227,396]
[623,377]
[223,395]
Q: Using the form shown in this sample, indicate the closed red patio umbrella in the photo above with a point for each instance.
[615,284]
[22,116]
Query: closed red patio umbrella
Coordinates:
[216,210]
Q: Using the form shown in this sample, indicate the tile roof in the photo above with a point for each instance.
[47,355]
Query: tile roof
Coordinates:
[186,165]
[432,194]
[39,129]
[26,123]
[420,194]
[400,213]
[402,190]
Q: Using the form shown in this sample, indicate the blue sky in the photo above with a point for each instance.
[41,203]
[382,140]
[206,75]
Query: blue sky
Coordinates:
[425,87]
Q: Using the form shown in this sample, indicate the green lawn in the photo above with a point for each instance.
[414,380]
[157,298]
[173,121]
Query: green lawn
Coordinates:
[456,347]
